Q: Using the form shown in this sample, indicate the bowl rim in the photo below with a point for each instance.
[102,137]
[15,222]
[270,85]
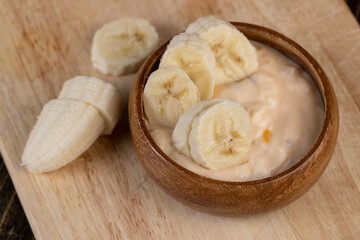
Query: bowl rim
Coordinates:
[322,83]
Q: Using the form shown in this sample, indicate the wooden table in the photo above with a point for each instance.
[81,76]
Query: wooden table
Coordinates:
[13,224]
[106,193]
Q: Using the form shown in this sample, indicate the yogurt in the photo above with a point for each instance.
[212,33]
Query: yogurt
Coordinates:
[286,116]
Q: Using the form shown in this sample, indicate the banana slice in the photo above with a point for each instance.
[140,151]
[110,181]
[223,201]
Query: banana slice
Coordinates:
[180,135]
[220,136]
[194,56]
[64,130]
[235,56]
[121,46]
[99,94]
[168,93]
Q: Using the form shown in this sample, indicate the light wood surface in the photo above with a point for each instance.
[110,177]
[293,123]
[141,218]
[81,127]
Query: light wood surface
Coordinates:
[106,194]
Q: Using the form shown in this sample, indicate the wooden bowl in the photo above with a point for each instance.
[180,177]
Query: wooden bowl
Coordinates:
[238,198]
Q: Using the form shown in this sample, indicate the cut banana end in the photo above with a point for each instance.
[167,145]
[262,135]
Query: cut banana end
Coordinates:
[235,56]
[180,135]
[64,130]
[99,94]
[168,93]
[121,46]
[193,55]
[220,136]
[87,107]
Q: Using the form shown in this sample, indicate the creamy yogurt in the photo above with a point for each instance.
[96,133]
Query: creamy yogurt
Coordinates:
[286,116]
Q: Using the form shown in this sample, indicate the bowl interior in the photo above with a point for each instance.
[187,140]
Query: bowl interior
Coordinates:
[275,40]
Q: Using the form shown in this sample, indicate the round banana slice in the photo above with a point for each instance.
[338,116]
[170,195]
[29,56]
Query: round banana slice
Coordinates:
[180,135]
[220,136]
[235,56]
[193,55]
[168,93]
[99,94]
[120,46]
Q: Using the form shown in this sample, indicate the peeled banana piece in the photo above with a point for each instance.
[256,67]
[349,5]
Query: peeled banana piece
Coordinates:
[103,96]
[220,136]
[193,55]
[65,129]
[69,125]
[120,46]
[235,56]
[180,135]
[168,93]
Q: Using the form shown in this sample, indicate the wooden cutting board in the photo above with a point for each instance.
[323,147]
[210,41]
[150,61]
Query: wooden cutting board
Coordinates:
[106,194]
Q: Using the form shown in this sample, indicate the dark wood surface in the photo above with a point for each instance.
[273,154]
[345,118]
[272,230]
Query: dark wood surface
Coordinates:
[13,223]
[355,8]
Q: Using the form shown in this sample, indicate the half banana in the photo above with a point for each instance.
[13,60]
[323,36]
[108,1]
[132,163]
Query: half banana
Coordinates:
[193,55]
[235,56]
[120,46]
[67,126]
[168,93]
[64,130]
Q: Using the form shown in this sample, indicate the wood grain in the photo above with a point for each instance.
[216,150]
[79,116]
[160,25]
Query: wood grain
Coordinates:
[243,198]
[106,194]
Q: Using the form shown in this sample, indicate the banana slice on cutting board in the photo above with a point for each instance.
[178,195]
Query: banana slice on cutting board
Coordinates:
[103,96]
[67,126]
[193,55]
[180,135]
[235,56]
[168,93]
[120,46]
[220,136]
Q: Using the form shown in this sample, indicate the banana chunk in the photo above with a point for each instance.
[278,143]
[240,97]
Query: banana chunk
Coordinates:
[235,56]
[220,136]
[193,55]
[168,93]
[120,46]
[180,135]
[86,108]
[99,94]
[64,130]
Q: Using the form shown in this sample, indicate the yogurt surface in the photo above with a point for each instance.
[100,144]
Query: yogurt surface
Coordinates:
[286,116]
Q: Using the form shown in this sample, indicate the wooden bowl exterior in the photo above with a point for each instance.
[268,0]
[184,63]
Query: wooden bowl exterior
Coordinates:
[237,198]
